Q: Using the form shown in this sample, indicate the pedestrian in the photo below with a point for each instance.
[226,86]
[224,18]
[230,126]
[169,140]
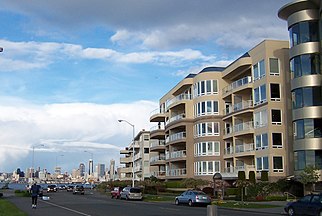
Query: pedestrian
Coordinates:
[34,190]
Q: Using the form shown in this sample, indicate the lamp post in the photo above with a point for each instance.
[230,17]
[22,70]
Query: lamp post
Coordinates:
[132,125]
[33,157]
[89,168]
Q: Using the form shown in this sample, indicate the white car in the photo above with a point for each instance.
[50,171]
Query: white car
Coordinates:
[131,193]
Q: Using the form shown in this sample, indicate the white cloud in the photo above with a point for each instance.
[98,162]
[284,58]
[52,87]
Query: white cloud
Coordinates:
[69,128]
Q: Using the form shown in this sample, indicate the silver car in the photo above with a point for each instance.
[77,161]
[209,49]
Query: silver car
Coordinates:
[131,193]
[193,197]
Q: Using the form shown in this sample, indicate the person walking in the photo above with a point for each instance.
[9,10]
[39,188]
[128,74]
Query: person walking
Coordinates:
[34,190]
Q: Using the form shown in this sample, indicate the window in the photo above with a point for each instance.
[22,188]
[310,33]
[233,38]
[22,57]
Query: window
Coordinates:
[277,164]
[274,67]
[146,137]
[259,95]
[308,157]
[206,108]
[275,92]
[206,129]
[206,167]
[308,96]
[146,150]
[205,87]
[276,117]
[277,140]
[303,32]
[306,64]
[259,70]
[261,141]
[207,148]
[262,164]
[307,128]
[260,119]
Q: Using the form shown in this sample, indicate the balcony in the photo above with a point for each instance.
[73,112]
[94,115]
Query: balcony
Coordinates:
[125,151]
[157,160]
[137,168]
[232,172]
[175,137]
[243,127]
[137,156]
[159,174]
[126,170]
[126,160]
[176,172]
[243,105]
[237,84]
[157,145]
[176,118]
[178,98]
[157,115]
[157,127]
[228,151]
[175,154]
[244,148]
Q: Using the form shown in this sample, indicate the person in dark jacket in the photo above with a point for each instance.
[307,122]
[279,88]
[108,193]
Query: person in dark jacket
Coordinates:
[34,190]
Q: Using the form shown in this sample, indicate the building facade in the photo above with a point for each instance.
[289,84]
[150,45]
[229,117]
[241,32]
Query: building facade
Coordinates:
[304,26]
[227,119]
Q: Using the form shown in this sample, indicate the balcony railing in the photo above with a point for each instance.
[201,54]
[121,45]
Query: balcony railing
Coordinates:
[243,105]
[157,127]
[176,136]
[243,126]
[237,84]
[177,172]
[176,118]
[156,143]
[178,98]
[157,158]
[158,173]
[229,151]
[157,111]
[176,154]
[244,148]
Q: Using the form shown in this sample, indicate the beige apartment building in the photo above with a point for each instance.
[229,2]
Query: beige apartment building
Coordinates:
[140,158]
[227,119]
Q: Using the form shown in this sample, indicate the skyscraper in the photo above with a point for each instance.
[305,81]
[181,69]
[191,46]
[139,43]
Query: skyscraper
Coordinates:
[81,169]
[90,167]
[112,169]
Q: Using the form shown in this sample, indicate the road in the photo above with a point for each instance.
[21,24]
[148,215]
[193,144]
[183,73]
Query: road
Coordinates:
[65,203]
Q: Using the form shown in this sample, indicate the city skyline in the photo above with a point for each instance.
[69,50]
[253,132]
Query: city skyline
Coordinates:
[70,70]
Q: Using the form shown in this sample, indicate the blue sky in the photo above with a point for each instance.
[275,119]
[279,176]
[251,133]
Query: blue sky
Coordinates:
[70,69]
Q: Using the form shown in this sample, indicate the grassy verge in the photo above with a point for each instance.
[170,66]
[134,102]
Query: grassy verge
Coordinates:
[244,205]
[8,209]
[157,198]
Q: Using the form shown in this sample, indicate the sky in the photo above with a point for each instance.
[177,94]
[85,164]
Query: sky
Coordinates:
[70,69]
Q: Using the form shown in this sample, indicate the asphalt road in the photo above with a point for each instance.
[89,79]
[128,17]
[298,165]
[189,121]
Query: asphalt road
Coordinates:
[65,203]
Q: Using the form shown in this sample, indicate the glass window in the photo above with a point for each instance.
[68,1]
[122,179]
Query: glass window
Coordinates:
[275,92]
[303,32]
[215,86]
[259,165]
[146,150]
[306,64]
[260,95]
[277,164]
[265,163]
[273,66]
[259,70]
[277,140]
[308,128]
[209,90]
[276,117]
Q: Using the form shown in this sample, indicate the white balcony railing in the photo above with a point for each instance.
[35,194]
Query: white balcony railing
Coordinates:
[243,105]
[158,173]
[178,98]
[157,158]
[178,154]
[176,136]
[237,84]
[156,143]
[244,148]
[157,111]
[243,126]
[157,127]
[177,172]
[176,118]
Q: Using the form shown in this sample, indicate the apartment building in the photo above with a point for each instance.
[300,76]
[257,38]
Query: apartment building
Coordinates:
[140,158]
[227,119]
[304,26]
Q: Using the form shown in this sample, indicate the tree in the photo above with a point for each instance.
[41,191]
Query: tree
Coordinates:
[309,176]
[242,183]
[264,176]
[252,178]
[194,183]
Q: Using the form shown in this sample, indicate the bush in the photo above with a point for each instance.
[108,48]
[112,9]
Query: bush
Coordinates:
[1,195]
[174,184]
[275,198]
[252,178]
[232,191]
[22,193]
[264,176]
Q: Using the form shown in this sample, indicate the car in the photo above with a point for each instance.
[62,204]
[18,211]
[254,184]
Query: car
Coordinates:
[131,193]
[193,197]
[52,188]
[79,189]
[116,192]
[70,188]
[308,205]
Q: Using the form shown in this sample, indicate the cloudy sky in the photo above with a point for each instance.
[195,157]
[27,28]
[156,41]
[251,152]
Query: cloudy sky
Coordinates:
[70,69]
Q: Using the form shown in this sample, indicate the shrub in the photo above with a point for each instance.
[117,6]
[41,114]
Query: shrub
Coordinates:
[252,178]
[264,176]
[232,191]
[275,198]
[174,184]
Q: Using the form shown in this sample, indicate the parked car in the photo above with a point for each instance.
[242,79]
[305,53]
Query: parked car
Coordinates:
[307,205]
[131,193]
[52,188]
[193,197]
[116,192]
[70,188]
[79,189]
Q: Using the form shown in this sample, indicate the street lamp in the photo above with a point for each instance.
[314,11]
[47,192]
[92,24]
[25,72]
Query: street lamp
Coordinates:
[132,125]
[89,168]
[33,157]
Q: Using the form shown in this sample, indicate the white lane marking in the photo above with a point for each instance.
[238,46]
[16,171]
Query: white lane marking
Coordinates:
[68,209]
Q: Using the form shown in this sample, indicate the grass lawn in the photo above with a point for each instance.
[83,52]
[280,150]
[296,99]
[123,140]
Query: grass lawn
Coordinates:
[8,209]
[245,205]
[157,198]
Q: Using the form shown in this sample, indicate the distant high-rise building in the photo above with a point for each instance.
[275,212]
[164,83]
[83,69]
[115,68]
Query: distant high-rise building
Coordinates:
[112,169]
[81,169]
[101,170]
[90,167]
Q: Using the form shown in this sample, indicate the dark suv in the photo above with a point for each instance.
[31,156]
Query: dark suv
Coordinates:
[79,189]
[52,188]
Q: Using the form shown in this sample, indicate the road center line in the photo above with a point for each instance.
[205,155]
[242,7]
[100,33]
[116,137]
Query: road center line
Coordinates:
[68,209]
